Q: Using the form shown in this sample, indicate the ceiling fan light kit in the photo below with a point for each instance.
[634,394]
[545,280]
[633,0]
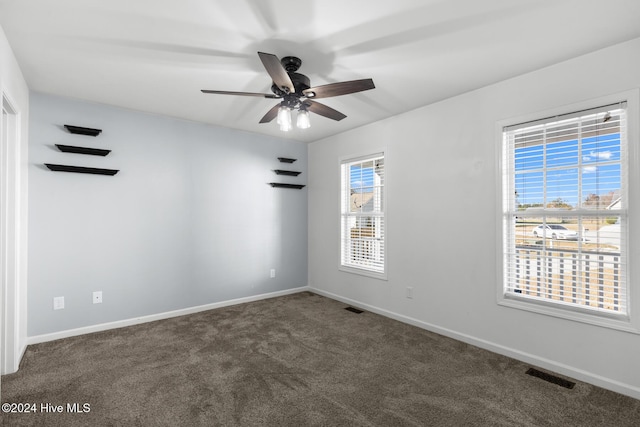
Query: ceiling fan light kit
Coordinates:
[286,123]
[303,121]
[284,118]
[295,91]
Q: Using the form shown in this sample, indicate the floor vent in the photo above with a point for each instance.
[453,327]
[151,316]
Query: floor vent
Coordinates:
[353,310]
[550,378]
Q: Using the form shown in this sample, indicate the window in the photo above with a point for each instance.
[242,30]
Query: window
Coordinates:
[564,207]
[362,215]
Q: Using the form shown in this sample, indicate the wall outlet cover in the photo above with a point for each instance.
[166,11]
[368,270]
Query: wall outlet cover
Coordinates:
[97,297]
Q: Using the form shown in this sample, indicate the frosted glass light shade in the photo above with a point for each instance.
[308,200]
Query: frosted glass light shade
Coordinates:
[284,119]
[303,120]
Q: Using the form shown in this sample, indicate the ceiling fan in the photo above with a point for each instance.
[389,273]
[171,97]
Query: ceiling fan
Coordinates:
[296,93]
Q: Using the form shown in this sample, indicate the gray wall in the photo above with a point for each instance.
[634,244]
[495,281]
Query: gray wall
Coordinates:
[443,203]
[189,219]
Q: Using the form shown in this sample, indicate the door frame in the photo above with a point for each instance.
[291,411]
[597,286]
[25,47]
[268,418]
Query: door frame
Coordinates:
[10,235]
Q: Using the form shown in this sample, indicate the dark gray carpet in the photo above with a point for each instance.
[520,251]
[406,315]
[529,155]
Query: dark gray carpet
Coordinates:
[298,360]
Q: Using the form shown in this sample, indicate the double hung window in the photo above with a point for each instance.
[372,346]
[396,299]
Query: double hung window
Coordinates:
[564,208]
[363,215]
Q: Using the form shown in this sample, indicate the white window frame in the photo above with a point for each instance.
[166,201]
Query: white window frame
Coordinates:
[630,322]
[382,216]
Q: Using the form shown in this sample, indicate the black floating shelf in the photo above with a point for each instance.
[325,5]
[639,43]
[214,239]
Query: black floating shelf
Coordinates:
[280,185]
[81,169]
[82,150]
[286,160]
[290,173]
[83,131]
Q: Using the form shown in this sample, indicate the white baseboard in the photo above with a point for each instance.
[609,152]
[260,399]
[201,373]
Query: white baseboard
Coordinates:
[22,348]
[153,317]
[569,371]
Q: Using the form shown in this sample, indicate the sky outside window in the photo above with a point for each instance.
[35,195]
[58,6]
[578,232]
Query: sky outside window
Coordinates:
[595,161]
[361,175]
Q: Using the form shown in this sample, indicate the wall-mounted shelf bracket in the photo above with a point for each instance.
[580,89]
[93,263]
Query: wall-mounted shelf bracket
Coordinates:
[82,150]
[290,173]
[281,185]
[83,131]
[81,169]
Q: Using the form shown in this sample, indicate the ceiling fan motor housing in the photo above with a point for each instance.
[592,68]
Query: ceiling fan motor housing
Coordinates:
[291,63]
[300,83]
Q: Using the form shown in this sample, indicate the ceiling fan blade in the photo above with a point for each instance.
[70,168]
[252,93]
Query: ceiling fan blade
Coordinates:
[323,110]
[271,114]
[277,72]
[337,89]
[226,92]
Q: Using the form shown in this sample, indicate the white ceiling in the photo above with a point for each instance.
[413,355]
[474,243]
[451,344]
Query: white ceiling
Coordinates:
[156,55]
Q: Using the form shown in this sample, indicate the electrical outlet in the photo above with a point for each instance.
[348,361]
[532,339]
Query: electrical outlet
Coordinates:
[58,303]
[97,297]
[409,292]
[272,274]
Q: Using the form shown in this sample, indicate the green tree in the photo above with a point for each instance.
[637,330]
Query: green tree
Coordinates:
[559,203]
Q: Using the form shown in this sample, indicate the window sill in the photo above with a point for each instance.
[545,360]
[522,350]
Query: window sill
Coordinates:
[363,272]
[618,322]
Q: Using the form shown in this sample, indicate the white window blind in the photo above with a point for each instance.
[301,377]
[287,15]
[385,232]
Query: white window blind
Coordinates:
[565,211]
[362,214]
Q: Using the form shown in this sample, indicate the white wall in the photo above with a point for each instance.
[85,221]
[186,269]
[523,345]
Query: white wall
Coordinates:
[189,220]
[441,174]
[14,90]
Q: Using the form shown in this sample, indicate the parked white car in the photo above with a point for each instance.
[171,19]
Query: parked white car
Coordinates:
[555,231]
